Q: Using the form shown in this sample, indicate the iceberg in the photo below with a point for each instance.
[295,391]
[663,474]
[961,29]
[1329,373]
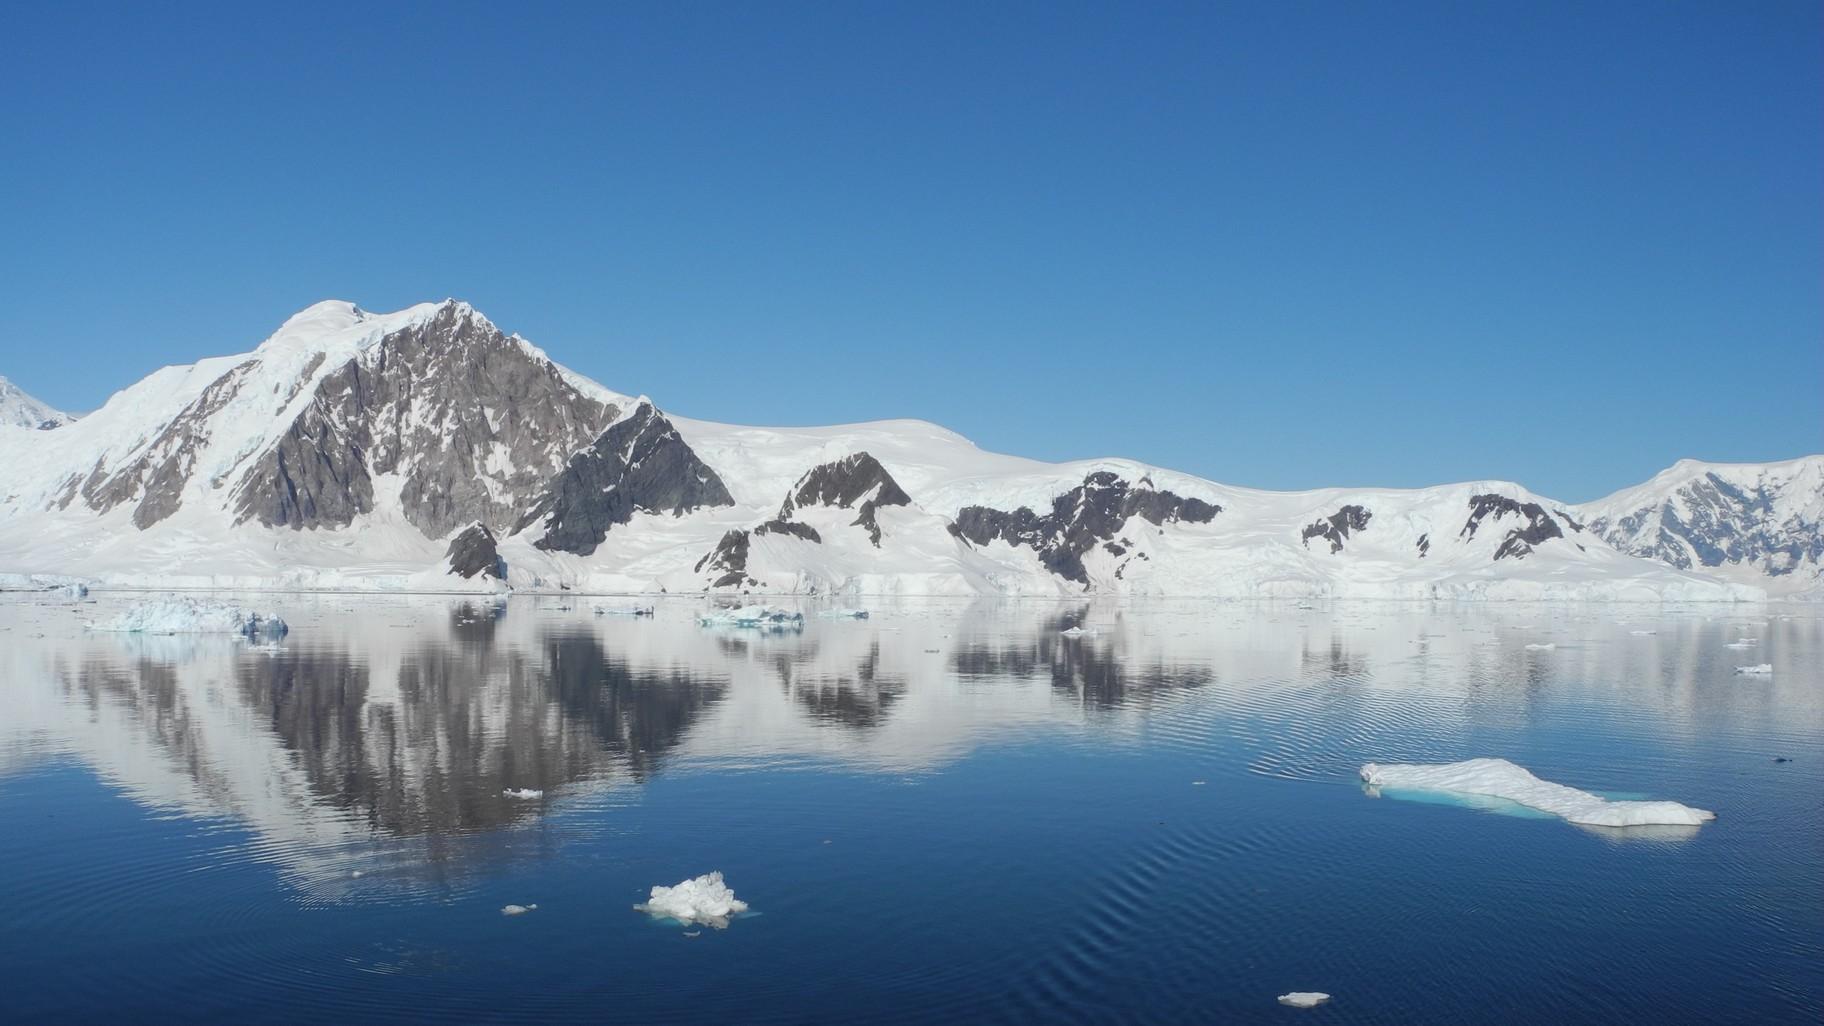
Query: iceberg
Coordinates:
[623,610]
[516,910]
[705,899]
[1304,998]
[1498,778]
[1761,670]
[1546,647]
[1744,643]
[1076,632]
[761,617]
[843,614]
[523,792]
[193,616]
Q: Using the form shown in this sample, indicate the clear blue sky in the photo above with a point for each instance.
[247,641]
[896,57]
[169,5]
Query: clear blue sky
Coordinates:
[1283,245]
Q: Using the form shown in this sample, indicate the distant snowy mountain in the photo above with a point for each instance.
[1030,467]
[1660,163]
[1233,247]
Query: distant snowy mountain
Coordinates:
[426,449]
[1756,522]
[20,410]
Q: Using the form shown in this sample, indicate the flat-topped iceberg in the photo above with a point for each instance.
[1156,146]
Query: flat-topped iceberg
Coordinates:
[1498,778]
[193,616]
[1304,998]
[1758,670]
[705,899]
[762,617]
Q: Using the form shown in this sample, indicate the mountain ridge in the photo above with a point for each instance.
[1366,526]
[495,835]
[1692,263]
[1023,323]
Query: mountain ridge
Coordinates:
[349,449]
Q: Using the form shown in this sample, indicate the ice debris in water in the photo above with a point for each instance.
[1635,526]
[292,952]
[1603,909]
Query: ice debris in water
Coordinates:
[1762,670]
[1547,647]
[705,899]
[1304,998]
[1075,632]
[523,792]
[763,617]
[516,910]
[843,613]
[1499,778]
[193,616]
[623,610]
[1744,643]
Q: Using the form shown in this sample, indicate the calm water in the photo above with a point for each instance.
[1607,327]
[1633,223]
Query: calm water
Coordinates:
[944,813]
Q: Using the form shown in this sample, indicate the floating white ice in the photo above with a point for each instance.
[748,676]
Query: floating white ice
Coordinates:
[523,792]
[1304,998]
[841,613]
[516,910]
[705,899]
[1761,670]
[1499,778]
[763,617]
[193,616]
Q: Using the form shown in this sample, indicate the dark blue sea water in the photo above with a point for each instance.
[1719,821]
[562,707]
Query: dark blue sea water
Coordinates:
[944,813]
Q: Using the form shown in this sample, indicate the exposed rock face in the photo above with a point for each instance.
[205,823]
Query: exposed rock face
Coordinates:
[857,481]
[639,465]
[474,422]
[1424,545]
[796,530]
[729,562]
[1729,515]
[1091,513]
[1335,528]
[475,551]
[1538,527]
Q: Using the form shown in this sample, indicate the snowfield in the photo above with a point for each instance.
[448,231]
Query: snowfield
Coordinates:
[166,485]
[1498,778]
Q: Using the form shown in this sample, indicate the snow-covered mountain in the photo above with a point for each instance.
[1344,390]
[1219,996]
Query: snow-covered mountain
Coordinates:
[18,410]
[1756,522]
[427,449]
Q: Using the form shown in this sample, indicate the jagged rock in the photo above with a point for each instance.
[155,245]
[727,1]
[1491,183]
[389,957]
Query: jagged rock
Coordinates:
[1519,543]
[1424,545]
[1080,518]
[1335,528]
[475,551]
[796,530]
[1696,515]
[639,465]
[476,423]
[858,479]
[728,561]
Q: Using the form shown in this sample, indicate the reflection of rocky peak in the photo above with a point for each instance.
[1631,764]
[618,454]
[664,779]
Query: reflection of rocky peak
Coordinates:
[475,422]
[1537,525]
[639,465]
[856,481]
[1091,669]
[1335,528]
[861,699]
[1090,513]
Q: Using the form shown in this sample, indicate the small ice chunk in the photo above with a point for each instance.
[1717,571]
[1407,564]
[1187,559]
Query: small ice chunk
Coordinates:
[1740,644]
[523,792]
[1304,998]
[1643,634]
[1761,670]
[761,617]
[623,610]
[516,910]
[842,613]
[193,616]
[1498,778]
[1075,632]
[705,899]
[1546,647]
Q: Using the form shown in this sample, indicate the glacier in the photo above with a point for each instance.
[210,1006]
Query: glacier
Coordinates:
[1499,778]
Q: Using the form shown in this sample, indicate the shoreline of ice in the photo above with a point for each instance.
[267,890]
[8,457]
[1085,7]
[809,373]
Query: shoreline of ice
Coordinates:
[1499,778]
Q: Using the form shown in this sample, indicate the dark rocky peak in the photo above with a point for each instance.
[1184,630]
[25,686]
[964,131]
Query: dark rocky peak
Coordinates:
[1335,528]
[639,465]
[475,423]
[1536,527]
[728,562]
[855,481]
[1088,514]
[476,551]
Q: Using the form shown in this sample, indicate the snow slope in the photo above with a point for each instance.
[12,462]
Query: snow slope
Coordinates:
[18,410]
[318,460]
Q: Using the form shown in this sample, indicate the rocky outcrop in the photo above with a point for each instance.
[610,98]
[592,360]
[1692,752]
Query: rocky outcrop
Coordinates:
[856,482]
[1770,518]
[1537,528]
[1335,528]
[639,465]
[1091,513]
[474,422]
[795,530]
[476,551]
[728,562]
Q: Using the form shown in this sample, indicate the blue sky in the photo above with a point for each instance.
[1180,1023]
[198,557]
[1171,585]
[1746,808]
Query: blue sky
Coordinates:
[1277,245]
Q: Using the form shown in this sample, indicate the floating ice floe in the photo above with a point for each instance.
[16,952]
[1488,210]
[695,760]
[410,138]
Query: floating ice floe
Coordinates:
[1498,778]
[1761,670]
[623,610]
[1304,998]
[522,792]
[843,614]
[705,899]
[193,616]
[761,617]
[1546,647]
[516,910]
[1076,632]
[1643,634]
[1742,644]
